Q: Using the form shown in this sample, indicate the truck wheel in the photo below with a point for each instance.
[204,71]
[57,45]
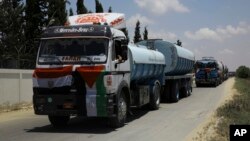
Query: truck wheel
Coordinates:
[154,102]
[165,93]
[198,84]
[216,83]
[59,121]
[175,94]
[121,112]
[185,91]
[189,91]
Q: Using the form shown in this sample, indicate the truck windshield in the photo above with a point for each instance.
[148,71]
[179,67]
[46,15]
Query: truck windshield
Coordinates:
[73,50]
[206,65]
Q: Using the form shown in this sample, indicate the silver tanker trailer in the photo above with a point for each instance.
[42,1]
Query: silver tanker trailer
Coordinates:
[178,70]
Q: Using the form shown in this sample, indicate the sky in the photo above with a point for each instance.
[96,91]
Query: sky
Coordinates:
[217,28]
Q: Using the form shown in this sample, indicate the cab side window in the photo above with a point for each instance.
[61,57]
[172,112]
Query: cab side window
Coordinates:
[117,50]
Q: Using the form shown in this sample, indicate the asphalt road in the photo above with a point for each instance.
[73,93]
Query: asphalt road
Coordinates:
[172,122]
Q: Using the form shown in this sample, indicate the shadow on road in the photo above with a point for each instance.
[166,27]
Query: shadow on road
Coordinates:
[86,125]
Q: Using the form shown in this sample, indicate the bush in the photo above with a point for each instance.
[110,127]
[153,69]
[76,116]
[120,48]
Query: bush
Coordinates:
[243,72]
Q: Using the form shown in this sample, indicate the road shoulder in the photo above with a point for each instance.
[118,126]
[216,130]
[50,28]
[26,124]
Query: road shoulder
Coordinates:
[205,130]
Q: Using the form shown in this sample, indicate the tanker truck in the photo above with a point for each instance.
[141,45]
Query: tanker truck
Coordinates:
[179,63]
[209,72]
[87,68]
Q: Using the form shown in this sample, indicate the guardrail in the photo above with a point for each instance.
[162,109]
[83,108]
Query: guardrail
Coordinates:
[15,86]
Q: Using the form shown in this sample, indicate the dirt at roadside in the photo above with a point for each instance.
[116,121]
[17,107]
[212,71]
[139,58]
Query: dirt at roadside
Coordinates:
[6,107]
[206,129]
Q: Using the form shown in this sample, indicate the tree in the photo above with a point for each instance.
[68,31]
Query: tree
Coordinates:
[81,9]
[179,43]
[145,34]
[137,36]
[35,13]
[243,72]
[71,13]
[12,38]
[110,9]
[98,7]
[57,12]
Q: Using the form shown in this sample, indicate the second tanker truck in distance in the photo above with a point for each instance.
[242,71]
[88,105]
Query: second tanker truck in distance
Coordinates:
[209,71]
[88,69]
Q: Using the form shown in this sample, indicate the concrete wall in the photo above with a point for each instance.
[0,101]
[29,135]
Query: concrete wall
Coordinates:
[15,86]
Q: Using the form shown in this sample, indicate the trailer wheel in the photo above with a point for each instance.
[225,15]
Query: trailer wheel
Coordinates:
[59,121]
[175,94]
[184,91]
[154,103]
[198,84]
[187,90]
[121,112]
[190,90]
[165,93]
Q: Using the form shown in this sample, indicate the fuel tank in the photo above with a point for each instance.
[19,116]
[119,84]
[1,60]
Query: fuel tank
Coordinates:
[178,60]
[145,63]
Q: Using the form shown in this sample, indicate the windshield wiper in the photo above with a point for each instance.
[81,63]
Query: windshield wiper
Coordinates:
[89,60]
[53,57]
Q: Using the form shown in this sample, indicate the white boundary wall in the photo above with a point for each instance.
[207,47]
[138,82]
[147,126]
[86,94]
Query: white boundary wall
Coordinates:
[15,86]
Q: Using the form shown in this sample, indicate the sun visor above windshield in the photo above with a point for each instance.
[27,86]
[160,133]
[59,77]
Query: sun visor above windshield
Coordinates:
[115,20]
[84,30]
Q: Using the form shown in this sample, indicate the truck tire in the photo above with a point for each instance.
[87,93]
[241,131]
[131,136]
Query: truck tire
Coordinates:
[59,121]
[198,84]
[165,93]
[216,83]
[121,111]
[190,90]
[186,90]
[175,94]
[154,102]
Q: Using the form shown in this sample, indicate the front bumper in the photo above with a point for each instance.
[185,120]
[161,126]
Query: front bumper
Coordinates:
[206,81]
[68,105]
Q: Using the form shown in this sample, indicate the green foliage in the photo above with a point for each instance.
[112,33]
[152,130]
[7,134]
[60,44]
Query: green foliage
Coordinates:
[71,13]
[137,36]
[57,12]
[110,9]
[145,33]
[98,7]
[236,111]
[125,31]
[21,25]
[12,38]
[81,9]
[35,13]
[243,72]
